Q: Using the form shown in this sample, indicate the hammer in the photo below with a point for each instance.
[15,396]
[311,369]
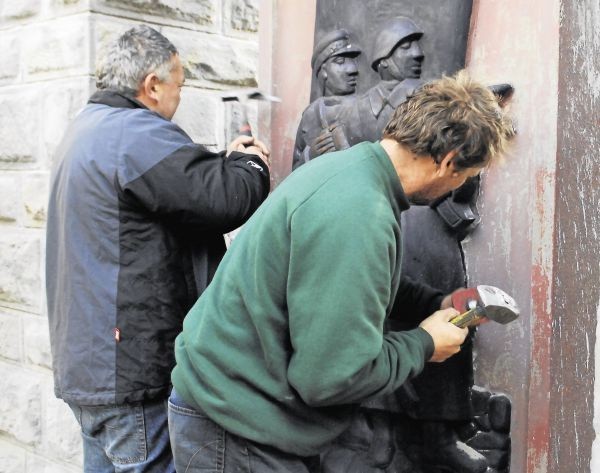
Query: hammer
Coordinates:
[243,96]
[478,302]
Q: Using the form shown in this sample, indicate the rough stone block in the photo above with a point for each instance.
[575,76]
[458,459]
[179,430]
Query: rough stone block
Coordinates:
[10,336]
[10,198]
[36,464]
[62,101]
[17,10]
[36,341]
[12,458]
[70,3]
[35,199]
[61,433]
[198,115]
[242,15]
[20,409]
[196,12]
[58,46]
[218,62]
[19,127]
[9,66]
[20,281]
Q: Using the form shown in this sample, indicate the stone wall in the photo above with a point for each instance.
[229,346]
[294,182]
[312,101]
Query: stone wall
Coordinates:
[49,48]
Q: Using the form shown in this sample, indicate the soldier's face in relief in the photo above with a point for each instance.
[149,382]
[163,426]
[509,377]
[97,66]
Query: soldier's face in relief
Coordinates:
[340,75]
[406,60]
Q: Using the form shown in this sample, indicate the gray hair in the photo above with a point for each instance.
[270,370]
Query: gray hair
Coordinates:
[138,52]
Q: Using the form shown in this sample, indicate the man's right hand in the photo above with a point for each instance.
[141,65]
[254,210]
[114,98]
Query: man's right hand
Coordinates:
[447,337]
[250,145]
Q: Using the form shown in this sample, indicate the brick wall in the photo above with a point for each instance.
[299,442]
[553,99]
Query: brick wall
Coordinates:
[47,53]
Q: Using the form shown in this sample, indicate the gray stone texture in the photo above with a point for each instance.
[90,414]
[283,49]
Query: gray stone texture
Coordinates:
[61,434]
[37,464]
[20,278]
[12,458]
[19,128]
[21,406]
[9,66]
[59,47]
[216,62]
[10,198]
[20,9]
[200,115]
[36,341]
[10,336]
[241,16]
[199,13]
[35,199]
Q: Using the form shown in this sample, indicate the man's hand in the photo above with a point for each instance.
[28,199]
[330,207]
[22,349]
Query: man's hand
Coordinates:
[250,145]
[447,338]
[447,303]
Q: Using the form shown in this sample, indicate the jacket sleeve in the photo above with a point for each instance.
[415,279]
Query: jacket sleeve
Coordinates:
[195,186]
[339,289]
[415,301]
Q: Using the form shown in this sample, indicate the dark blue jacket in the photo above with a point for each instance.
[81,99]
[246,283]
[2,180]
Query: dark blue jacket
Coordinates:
[136,219]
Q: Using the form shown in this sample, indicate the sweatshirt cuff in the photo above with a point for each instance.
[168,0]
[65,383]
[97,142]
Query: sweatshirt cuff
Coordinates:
[427,342]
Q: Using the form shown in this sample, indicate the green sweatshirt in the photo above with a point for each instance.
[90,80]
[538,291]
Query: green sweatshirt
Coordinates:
[288,338]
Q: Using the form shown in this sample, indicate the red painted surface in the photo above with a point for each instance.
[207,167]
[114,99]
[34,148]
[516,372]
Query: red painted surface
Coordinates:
[517,42]
[286,42]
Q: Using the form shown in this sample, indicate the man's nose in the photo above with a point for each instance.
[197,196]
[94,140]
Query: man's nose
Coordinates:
[352,68]
[417,52]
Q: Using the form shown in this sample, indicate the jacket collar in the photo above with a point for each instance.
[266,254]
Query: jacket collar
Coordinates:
[115,99]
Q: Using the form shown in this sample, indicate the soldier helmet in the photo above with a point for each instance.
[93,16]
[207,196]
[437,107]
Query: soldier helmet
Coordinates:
[393,32]
[334,43]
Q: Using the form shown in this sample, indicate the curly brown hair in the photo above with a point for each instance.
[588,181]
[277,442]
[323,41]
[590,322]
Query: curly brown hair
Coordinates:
[452,114]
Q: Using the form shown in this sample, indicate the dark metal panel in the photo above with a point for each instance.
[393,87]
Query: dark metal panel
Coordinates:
[576,289]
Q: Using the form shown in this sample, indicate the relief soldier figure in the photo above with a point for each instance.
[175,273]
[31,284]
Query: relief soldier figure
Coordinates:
[336,71]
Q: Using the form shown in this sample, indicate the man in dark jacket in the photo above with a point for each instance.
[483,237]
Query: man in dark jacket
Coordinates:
[135,232]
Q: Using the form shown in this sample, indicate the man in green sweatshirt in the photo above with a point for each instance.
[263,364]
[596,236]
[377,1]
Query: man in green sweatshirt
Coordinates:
[289,337]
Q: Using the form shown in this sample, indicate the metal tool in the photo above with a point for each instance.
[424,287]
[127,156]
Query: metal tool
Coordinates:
[475,303]
[242,96]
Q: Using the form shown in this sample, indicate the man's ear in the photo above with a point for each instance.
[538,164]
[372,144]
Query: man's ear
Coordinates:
[151,86]
[446,165]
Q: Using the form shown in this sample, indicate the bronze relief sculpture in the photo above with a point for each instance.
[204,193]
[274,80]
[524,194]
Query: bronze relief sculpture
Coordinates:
[439,422]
